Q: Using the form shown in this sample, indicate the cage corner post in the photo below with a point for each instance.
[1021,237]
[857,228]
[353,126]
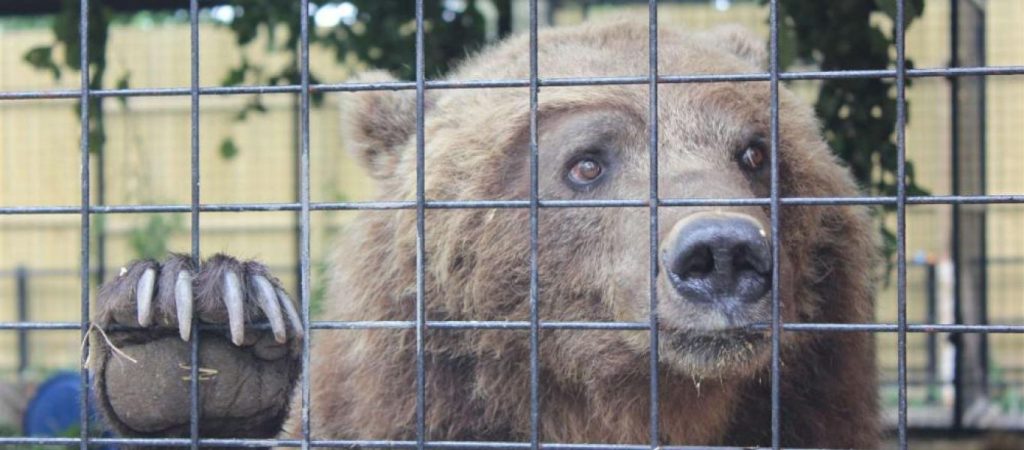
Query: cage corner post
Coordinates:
[968,238]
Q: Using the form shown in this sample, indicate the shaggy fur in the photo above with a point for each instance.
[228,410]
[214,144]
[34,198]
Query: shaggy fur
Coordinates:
[593,262]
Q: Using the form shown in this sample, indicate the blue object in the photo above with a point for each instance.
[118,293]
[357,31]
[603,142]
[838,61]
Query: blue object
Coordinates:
[55,409]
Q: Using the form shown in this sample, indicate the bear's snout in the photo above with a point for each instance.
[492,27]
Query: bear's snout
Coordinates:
[719,258]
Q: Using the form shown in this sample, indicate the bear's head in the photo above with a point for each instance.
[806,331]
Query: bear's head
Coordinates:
[713,264]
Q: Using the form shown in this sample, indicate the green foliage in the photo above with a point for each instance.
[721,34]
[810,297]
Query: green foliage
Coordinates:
[150,240]
[272,17]
[228,149]
[384,35]
[65,29]
[123,83]
[66,36]
[41,58]
[858,114]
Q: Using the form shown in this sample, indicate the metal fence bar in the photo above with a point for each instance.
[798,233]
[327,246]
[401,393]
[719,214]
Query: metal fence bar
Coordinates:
[652,131]
[968,234]
[517,83]
[521,204]
[525,325]
[901,218]
[775,207]
[420,324]
[84,322]
[193,382]
[534,232]
[421,310]
[932,340]
[304,218]
[367,444]
[21,298]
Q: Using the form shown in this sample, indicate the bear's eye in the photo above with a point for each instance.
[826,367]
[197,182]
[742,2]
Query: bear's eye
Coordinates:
[753,157]
[585,171]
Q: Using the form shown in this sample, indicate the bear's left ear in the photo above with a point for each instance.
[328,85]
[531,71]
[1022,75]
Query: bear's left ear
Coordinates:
[378,124]
[742,42]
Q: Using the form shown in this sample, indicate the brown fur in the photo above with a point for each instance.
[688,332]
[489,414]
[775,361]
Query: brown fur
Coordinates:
[593,261]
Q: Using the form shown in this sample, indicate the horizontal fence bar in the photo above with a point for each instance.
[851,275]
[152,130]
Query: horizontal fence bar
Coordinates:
[389,444]
[259,443]
[525,325]
[394,444]
[52,272]
[517,204]
[514,83]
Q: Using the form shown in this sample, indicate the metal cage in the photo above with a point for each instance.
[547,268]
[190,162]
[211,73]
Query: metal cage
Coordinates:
[303,206]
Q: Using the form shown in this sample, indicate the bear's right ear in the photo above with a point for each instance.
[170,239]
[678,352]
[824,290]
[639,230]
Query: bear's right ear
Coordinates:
[742,42]
[378,124]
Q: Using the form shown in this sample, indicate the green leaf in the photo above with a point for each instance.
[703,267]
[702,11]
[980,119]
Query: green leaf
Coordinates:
[236,76]
[150,240]
[912,9]
[228,149]
[123,83]
[41,58]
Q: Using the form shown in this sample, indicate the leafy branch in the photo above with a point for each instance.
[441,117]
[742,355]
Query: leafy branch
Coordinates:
[380,33]
[858,114]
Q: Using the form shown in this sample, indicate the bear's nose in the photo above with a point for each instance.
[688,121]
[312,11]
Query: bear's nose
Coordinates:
[719,258]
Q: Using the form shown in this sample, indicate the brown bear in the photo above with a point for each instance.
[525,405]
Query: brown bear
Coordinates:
[713,284]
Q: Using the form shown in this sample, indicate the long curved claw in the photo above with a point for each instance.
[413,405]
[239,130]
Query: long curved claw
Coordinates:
[293,315]
[236,310]
[183,304]
[268,303]
[144,297]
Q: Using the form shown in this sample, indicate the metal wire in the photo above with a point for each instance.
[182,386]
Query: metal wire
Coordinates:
[901,219]
[517,83]
[776,371]
[193,382]
[421,238]
[554,325]
[534,231]
[83,103]
[353,444]
[518,204]
[652,131]
[304,211]
[303,206]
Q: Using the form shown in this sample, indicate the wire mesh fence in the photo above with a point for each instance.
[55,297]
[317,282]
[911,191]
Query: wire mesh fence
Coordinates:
[303,207]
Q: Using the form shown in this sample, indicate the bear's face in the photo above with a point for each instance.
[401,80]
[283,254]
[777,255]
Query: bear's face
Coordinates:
[713,263]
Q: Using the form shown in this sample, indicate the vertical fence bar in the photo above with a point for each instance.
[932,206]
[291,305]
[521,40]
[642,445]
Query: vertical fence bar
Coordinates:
[959,403]
[901,219]
[421,312]
[534,231]
[932,299]
[83,103]
[969,237]
[193,383]
[954,138]
[954,159]
[652,155]
[982,261]
[773,67]
[21,295]
[100,249]
[304,275]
